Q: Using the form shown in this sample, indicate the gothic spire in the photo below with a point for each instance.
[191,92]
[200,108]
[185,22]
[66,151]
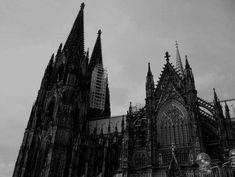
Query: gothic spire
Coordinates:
[49,66]
[215,96]
[188,75]
[149,83]
[60,48]
[96,57]
[149,70]
[75,40]
[47,73]
[122,124]
[227,114]
[179,66]
[187,66]
[107,111]
[130,108]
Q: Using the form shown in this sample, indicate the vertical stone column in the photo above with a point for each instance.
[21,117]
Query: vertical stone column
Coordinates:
[104,159]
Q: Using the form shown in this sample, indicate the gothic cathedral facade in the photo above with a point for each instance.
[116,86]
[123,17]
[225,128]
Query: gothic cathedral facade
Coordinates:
[70,132]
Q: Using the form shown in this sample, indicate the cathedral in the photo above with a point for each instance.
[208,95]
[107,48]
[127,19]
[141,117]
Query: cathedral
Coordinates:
[71,133]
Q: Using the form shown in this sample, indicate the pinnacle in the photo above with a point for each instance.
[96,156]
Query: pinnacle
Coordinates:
[167,56]
[99,32]
[179,66]
[149,69]
[186,62]
[82,5]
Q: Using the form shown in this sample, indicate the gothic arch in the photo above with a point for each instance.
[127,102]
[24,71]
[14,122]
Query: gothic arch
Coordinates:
[140,131]
[172,124]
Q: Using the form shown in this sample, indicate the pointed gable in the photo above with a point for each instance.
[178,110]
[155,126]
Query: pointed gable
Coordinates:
[169,75]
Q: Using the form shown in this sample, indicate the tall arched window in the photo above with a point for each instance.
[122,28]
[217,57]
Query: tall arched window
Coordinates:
[172,124]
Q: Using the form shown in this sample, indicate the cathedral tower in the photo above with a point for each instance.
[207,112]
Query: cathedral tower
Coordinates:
[54,143]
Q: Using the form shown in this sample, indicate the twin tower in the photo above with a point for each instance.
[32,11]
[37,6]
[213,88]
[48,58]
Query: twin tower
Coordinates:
[73,90]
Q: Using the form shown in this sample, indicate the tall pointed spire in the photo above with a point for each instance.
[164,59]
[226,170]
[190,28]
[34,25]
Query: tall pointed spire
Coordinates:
[96,57]
[227,114]
[130,108]
[149,86]
[149,70]
[215,96]
[187,66]
[107,111]
[122,124]
[49,67]
[179,65]
[75,40]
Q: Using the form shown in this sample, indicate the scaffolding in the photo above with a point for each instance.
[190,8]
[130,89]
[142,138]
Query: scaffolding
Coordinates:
[98,87]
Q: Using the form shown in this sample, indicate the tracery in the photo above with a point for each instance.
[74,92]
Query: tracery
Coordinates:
[172,124]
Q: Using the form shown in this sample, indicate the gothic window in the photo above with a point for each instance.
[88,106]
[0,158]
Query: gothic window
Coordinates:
[140,132]
[172,124]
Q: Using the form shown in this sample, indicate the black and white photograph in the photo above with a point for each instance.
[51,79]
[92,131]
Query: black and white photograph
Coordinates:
[113,88]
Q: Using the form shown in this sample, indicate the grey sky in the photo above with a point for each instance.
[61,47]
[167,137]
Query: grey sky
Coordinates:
[135,32]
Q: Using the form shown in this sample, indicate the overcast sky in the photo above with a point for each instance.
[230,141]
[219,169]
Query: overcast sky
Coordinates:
[135,32]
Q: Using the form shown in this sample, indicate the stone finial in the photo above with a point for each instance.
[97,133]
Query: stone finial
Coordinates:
[99,32]
[167,56]
[82,5]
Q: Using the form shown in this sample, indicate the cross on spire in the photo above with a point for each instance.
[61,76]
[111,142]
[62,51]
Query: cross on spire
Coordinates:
[167,56]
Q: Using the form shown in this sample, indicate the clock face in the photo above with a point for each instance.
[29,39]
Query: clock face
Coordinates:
[171,112]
